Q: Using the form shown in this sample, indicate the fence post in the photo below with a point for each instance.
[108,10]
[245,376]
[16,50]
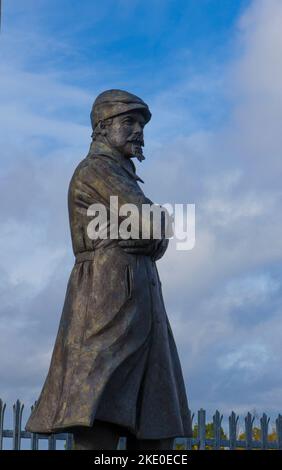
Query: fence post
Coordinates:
[189,440]
[217,420]
[69,442]
[52,442]
[264,422]
[202,429]
[279,431]
[34,441]
[18,412]
[249,421]
[34,437]
[2,412]
[233,423]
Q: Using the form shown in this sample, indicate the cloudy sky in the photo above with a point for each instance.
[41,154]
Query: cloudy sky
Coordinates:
[211,73]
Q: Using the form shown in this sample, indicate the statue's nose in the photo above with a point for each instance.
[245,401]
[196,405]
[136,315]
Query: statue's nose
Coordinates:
[138,128]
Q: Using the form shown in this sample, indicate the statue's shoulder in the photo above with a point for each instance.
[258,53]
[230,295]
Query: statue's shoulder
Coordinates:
[92,162]
[82,168]
[92,167]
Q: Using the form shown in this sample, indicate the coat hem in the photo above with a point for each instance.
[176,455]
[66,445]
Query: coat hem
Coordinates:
[128,429]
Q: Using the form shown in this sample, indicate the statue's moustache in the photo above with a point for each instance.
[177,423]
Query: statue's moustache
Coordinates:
[136,140]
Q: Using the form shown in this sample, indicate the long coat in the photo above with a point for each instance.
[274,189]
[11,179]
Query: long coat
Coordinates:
[114,357]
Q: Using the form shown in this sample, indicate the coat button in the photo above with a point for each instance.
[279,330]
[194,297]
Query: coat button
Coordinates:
[153,282]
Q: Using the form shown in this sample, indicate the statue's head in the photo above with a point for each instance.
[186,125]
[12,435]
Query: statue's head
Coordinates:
[118,119]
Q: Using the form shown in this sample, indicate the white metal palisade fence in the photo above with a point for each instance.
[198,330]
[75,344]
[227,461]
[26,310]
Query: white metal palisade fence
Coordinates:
[200,442]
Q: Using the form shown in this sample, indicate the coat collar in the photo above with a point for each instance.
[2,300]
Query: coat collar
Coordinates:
[100,148]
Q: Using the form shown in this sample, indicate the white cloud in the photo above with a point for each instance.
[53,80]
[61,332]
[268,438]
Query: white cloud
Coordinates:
[251,357]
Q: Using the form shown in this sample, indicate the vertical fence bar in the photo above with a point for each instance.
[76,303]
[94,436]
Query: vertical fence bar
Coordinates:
[202,429]
[69,442]
[189,440]
[34,441]
[264,422]
[233,425]
[52,442]
[189,444]
[217,420]
[18,412]
[34,437]
[249,421]
[279,431]
[2,412]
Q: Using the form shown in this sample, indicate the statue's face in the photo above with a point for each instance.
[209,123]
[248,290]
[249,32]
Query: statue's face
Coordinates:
[125,133]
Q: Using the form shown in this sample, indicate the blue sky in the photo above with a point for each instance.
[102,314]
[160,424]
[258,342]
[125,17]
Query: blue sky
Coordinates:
[210,71]
[143,45]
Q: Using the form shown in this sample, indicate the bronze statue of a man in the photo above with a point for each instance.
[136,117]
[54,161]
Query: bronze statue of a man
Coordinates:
[115,370]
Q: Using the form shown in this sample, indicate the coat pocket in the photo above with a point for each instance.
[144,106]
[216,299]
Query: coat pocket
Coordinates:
[128,280]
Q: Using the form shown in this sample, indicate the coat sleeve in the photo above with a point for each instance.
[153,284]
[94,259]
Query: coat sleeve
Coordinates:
[103,178]
[161,247]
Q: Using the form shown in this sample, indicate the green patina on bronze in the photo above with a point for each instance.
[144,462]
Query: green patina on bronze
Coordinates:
[114,358]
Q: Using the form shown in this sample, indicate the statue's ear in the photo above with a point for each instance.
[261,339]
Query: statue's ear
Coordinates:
[103,128]
[100,129]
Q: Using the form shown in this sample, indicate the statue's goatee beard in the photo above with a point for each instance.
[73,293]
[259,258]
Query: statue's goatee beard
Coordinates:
[137,152]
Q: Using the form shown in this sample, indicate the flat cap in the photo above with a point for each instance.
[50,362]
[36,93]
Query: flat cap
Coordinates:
[111,103]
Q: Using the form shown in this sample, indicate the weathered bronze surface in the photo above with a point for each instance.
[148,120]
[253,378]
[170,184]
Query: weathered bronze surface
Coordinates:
[114,359]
